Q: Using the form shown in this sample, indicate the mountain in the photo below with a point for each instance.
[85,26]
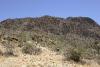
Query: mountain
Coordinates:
[80,35]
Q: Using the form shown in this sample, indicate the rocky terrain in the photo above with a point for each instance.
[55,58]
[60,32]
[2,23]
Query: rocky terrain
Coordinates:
[49,41]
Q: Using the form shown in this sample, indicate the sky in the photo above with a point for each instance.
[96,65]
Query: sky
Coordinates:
[60,8]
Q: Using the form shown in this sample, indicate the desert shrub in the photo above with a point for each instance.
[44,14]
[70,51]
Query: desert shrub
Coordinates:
[96,46]
[74,55]
[37,38]
[31,49]
[1,53]
[8,49]
[8,52]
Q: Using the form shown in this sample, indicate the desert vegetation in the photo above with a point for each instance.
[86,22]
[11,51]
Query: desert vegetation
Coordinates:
[75,38]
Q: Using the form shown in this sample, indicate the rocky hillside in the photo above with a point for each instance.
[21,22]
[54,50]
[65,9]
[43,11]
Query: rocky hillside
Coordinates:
[74,38]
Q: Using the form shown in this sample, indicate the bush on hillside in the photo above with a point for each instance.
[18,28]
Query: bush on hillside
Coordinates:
[74,55]
[9,52]
[31,49]
[1,53]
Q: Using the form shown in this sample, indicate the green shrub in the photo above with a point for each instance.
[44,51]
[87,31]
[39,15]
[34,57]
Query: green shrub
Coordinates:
[73,54]
[31,49]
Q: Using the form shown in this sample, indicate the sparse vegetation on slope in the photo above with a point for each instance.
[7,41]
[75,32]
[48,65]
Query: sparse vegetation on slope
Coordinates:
[58,34]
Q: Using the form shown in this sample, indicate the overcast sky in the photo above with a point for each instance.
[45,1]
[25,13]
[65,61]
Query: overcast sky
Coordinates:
[61,8]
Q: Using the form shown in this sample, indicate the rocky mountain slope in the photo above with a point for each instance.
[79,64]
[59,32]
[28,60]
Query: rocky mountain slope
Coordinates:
[73,39]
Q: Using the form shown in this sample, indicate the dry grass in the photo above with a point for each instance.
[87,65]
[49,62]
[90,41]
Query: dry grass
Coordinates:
[46,59]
